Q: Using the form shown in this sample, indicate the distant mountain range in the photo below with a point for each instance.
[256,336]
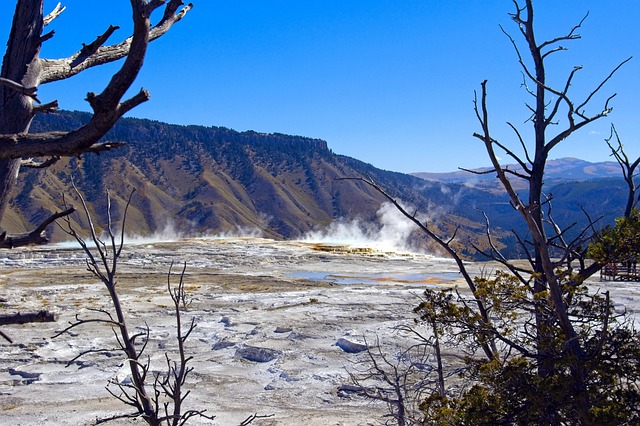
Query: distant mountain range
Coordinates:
[576,187]
[213,180]
[557,171]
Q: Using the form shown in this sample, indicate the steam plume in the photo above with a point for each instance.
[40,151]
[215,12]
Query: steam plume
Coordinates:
[390,232]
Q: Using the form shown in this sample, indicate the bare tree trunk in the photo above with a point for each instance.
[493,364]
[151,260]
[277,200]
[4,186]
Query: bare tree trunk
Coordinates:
[436,345]
[20,65]
[8,175]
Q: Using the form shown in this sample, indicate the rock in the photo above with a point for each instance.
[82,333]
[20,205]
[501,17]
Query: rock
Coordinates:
[287,378]
[222,344]
[27,378]
[294,335]
[226,321]
[283,329]
[350,388]
[350,346]
[84,364]
[346,391]
[282,375]
[255,354]
[424,367]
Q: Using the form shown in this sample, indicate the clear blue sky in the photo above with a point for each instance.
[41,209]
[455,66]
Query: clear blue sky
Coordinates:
[388,82]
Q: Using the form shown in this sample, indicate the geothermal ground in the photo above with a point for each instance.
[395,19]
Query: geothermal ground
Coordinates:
[292,301]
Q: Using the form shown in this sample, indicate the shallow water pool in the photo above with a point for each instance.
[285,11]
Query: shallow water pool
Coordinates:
[409,279]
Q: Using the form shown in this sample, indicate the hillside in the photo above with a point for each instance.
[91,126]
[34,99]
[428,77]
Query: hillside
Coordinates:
[211,180]
[557,171]
[577,186]
[197,180]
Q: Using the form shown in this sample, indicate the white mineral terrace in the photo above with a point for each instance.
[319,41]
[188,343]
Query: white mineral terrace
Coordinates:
[297,304]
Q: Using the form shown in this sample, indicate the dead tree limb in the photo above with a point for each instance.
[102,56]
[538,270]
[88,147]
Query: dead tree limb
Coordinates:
[253,417]
[37,236]
[23,318]
[628,169]
[33,164]
[20,318]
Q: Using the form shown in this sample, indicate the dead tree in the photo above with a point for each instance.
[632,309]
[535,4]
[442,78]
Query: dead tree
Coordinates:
[628,169]
[549,106]
[23,71]
[400,379]
[557,266]
[158,400]
[563,330]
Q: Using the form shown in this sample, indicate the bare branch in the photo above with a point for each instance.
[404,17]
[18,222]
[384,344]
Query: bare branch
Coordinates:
[497,255]
[564,97]
[83,321]
[628,169]
[97,54]
[602,83]
[524,66]
[107,106]
[482,113]
[34,237]
[54,14]
[524,165]
[46,108]
[27,91]
[6,337]
[52,144]
[571,36]
[91,351]
[91,48]
[32,164]
[253,417]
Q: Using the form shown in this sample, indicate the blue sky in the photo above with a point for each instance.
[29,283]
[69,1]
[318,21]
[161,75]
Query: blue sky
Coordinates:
[388,82]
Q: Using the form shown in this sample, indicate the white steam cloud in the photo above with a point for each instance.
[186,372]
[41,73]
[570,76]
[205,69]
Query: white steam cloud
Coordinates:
[390,232]
[168,234]
[239,232]
[165,235]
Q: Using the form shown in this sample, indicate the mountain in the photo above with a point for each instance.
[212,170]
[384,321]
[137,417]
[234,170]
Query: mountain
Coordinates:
[557,171]
[576,187]
[563,169]
[199,180]
[210,180]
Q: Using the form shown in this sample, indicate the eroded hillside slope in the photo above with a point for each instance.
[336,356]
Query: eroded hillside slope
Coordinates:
[197,180]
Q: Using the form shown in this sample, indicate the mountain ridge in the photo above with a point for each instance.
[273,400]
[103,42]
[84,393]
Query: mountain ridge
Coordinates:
[557,171]
[566,168]
[211,180]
